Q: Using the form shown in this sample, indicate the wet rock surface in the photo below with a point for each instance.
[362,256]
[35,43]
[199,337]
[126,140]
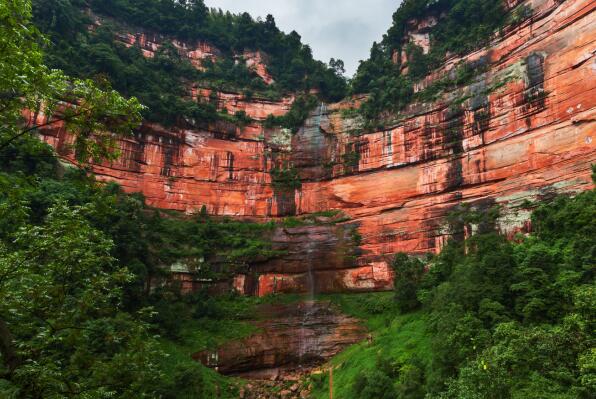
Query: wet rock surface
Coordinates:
[293,339]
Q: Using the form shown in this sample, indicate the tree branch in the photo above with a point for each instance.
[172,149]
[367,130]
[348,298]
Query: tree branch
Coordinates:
[35,127]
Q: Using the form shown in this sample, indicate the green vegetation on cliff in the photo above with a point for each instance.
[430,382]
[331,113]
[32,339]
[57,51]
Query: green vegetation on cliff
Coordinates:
[84,313]
[295,117]
[162,83]
[513,318]
[290,62]
[461,27]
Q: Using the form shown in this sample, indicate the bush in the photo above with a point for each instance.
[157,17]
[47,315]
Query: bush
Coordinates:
[285,179]
[509,319]
[409,272]
[186,381]
[374,384]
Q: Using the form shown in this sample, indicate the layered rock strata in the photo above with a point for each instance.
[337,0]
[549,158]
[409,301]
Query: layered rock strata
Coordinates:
[520,131]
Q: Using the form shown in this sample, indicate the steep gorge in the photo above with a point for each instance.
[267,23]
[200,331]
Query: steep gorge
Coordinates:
[519,131]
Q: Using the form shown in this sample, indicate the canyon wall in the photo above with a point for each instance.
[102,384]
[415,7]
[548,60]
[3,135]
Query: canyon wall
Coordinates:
[521,131]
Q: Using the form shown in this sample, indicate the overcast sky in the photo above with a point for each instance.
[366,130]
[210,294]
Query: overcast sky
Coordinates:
[342,29]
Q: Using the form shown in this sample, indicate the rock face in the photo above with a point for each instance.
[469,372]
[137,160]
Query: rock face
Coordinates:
[293,338]
[317,259]
[523,130]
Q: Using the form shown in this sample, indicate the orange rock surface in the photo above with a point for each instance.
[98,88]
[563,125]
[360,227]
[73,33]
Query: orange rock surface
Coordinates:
[525,130]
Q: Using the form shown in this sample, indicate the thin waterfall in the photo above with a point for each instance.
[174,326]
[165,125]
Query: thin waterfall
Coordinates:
[309,342]
[308,308]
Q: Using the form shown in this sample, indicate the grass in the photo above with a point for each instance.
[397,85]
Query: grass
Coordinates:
[374,309]
[179,354]
[233,323]
[395,337]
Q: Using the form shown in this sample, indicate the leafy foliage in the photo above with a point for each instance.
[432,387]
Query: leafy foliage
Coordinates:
[78,318]
[497,318]
[61,296]
[84,255]
[394,360]
[351,159]
[78,258]
[510,319]
[284,179]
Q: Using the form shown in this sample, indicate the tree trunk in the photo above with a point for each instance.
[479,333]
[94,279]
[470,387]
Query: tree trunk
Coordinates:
[7,349]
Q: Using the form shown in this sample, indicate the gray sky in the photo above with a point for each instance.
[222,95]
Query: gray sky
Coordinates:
[342,29]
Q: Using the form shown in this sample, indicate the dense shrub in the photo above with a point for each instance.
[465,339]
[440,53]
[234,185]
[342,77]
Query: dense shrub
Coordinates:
[408,273]
[146,240]
[517,307]
[294,119]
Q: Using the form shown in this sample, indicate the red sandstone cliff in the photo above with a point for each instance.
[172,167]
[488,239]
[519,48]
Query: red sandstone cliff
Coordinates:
[524,131]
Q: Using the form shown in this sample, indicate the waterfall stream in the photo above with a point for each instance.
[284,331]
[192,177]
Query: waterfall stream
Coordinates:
[307,339]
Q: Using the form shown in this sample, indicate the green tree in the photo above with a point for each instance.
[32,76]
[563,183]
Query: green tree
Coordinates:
[62,333]
[462,26]
[408,274]
[374,384]
[83,53]
[516,320]
[94,116]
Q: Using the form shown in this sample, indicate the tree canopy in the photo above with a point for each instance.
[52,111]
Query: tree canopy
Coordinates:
[76,320]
